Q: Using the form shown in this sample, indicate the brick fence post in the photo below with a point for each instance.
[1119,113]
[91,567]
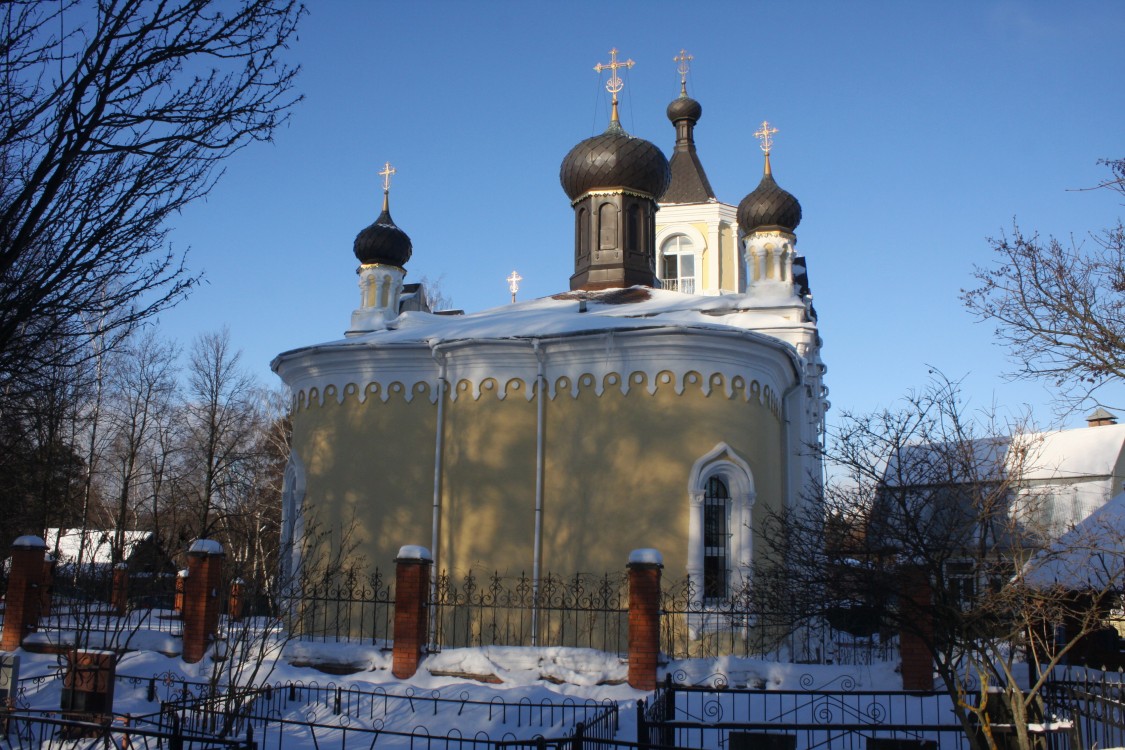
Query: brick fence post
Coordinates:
[412,588]
[644,617]
[21,604]
[178,600]
[201,597]
[913,642]
[119,597]
[237,599]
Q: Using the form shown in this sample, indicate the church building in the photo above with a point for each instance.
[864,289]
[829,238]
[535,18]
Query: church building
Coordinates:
[668,397]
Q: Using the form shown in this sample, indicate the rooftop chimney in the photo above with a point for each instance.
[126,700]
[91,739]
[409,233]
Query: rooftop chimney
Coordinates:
[1100,418]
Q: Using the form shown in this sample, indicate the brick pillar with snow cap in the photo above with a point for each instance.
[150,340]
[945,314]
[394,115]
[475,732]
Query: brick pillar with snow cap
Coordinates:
[201,597]
[412,587]
[21,603]
[644,617]
[178,601]
[119,597]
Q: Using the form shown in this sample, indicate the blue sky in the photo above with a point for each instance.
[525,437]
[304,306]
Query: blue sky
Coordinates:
[911,132]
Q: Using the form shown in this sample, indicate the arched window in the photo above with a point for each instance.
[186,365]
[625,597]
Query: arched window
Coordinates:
[633,241]
[677,264]
[607,227]
[716,540]
[582,241]
[720,524]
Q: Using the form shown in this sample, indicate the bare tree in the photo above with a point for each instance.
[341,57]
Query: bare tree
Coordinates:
[1060,306]
[142,387]
[222,423]
[926,527]
[114,116]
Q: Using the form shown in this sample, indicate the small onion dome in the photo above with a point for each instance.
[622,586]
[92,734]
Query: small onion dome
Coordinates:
[769,207]
[383,242]
[614,159]
[685,108]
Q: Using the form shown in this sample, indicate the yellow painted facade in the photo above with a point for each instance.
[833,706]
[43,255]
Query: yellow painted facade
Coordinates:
[616,468]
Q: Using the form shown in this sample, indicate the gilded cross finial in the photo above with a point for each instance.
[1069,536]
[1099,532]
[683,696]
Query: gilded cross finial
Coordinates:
[765,135]
[386,173]
[683,64]
[514,284]
[614,84]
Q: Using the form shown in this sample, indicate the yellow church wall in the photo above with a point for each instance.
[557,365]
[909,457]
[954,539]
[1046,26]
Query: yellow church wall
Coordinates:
[616,471]
[731,259]
[488,499]
[703,272]
[368,471]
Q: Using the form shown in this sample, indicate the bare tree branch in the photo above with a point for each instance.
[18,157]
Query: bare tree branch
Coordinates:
[114,117]
[1059,307]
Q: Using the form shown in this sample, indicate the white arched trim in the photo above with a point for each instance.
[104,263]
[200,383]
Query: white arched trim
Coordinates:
[698,239]
[292,518]
[698,245]
[722,461]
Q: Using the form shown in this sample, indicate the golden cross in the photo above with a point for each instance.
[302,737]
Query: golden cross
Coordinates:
[614,84]
[386,173]
[514,284]
[765,135]
[684,60]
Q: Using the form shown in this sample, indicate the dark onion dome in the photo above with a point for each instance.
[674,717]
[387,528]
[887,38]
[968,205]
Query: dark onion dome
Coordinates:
[614,159]
[685,108]
[383,242]
[769,207]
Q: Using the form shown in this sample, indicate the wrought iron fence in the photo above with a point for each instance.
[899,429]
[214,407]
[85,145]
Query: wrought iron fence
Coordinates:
[823,716]
[46,729]
[293,713]
[1094,703]
[354,607]
[583,611]
[693,626]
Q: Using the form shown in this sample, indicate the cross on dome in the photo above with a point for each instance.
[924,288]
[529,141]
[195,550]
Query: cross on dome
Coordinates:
[765,135]
[683,65]
[386,173]
[614,84]
[514,283]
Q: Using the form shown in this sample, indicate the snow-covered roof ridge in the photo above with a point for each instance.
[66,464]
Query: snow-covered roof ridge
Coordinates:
[1080,453]
[572,313]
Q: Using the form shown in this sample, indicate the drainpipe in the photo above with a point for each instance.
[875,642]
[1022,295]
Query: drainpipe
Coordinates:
[439,440]
[788,426]
[540,387]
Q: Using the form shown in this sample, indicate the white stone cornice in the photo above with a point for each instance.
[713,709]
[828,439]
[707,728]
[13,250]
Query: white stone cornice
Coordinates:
[738,364]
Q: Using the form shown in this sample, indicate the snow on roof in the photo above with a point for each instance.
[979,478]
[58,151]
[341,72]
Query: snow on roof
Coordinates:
[98,544]
[206,547]
[1089,556]
[1083,453]
[560,315]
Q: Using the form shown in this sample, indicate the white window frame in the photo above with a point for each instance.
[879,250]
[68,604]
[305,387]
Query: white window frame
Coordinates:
[722,462]
[698,244]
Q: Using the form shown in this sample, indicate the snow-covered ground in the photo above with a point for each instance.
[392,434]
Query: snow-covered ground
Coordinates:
[547,690]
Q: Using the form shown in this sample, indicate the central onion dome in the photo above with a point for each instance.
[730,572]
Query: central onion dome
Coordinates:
[383,242]
[614,159]
[769,207]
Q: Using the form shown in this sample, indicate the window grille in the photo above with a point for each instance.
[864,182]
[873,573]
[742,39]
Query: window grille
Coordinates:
[716,540]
